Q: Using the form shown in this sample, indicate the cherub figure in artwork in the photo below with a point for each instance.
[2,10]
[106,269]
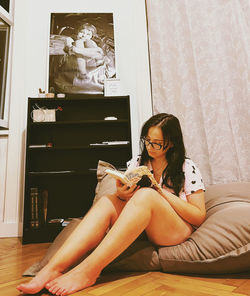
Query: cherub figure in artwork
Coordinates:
[78,48]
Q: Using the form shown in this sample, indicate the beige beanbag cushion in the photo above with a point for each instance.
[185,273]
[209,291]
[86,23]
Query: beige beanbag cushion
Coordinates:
[220,245]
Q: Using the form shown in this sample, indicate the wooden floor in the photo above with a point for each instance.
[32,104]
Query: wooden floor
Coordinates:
[15,258]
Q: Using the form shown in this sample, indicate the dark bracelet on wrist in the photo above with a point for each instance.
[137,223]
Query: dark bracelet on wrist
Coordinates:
[120,198]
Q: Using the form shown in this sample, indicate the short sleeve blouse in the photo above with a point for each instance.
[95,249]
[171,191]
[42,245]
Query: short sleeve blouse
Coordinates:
[193,179]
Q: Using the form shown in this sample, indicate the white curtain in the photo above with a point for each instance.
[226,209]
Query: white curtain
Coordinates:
[200,71]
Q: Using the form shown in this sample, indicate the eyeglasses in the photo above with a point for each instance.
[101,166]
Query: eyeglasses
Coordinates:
[156,146]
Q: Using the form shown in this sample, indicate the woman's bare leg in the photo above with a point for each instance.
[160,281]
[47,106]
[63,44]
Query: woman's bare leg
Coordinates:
[145,210]
[84,238]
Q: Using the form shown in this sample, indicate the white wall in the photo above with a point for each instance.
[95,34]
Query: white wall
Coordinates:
[29,73]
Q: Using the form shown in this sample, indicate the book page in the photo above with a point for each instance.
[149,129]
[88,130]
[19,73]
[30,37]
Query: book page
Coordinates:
[134,176]
[118,175]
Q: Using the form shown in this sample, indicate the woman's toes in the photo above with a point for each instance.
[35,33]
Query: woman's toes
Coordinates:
[50,284]
[54,289]
[59,292]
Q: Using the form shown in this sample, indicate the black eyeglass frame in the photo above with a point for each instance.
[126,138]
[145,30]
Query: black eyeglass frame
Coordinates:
[158,145]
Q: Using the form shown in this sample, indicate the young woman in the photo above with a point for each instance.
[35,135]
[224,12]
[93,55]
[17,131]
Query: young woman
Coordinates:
[168,219]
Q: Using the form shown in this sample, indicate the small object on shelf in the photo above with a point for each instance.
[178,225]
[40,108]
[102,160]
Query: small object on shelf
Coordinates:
[38,146]
[105,143]
[50,95]
[37,115]
[56,221]
[41,93]
[59,108]
[49,145]
[42,114]
[52,90]
[97,144]
[50,115]
[60,96]
[110,118]
[66,221]
[112,87]
[116,142]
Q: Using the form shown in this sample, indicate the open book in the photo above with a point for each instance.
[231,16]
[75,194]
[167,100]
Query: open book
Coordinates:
[140,176]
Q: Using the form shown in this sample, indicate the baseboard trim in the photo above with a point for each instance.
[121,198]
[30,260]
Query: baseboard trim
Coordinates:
[10,229]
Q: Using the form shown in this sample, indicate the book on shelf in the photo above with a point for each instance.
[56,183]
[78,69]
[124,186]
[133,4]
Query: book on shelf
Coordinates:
[140,176]
[33,207]
[45,198]
[38,207]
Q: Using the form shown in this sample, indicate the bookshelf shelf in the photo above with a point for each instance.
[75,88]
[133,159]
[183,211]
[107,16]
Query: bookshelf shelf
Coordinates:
[60,123]
[56,173]
[62,157]
[98,146]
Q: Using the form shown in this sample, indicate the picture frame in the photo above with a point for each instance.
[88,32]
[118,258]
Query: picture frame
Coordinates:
[81,52]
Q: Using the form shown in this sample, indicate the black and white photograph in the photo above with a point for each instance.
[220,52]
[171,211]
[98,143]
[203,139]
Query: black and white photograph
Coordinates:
[81,52]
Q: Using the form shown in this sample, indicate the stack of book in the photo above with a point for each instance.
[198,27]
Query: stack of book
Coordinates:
[38,207]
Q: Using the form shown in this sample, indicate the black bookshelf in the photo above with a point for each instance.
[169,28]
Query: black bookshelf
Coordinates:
[62,157]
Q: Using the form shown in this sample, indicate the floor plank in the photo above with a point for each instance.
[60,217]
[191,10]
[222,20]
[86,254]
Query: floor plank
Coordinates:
[244,288]
[15,258]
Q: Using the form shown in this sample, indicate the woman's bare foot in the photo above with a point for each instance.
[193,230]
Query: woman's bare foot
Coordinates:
[76,279]
[39,281]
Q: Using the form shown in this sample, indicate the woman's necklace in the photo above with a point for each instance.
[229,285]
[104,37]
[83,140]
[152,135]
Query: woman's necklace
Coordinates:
[158,171]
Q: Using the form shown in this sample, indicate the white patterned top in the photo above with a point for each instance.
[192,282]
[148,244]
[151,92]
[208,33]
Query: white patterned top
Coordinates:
[193,179]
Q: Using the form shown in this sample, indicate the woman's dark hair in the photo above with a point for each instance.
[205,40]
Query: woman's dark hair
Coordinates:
[173,176]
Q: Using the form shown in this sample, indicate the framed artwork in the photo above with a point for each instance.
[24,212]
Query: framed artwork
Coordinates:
[81,52]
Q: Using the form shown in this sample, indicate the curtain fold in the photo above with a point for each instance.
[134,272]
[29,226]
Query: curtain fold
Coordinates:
[200,71]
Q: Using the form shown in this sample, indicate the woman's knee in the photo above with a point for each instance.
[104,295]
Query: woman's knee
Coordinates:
[112,203]
[101,199]
[144,196]
[105,203]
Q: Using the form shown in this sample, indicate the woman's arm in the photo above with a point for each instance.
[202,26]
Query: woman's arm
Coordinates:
[193,211]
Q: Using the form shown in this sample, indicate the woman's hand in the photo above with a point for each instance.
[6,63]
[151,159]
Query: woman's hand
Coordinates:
[124,191]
